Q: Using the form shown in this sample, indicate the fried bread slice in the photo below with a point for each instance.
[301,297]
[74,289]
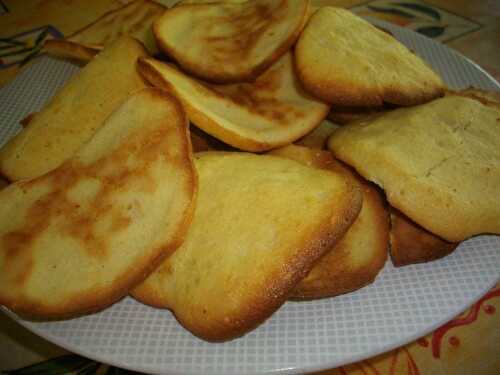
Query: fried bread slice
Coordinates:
[75,113]
[260,223]
[134,19]
[76,239]
[230,42]
[344,60]
[439,163]
[410,243]
[268,113]
[360,255]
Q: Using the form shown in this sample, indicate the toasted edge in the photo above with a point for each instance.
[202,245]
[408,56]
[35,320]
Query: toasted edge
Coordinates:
[410,243]
[221,78]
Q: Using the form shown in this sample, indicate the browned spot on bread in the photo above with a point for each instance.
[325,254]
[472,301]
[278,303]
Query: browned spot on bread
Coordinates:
[410,243]
[230,42]
[248,27]
[260,97]
[59,253]
[109,173]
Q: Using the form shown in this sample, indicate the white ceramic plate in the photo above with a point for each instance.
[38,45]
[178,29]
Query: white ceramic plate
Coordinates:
[402,305]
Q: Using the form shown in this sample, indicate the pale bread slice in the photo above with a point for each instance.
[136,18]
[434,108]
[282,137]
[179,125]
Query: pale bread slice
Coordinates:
[272,111]
[77,239]
[134,19]
[410,243]
[439,163]
[75,113]
[230,42]
[344,60]
[260,223]
[356,260]
[318,138]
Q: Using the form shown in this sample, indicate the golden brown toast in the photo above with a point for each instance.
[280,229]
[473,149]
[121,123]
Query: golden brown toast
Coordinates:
[268,113]
[230,42]
[410,243]
[439,163]
[75,113]
[360,255]
[344,60]
[134,19]
[76,239]
[260,223]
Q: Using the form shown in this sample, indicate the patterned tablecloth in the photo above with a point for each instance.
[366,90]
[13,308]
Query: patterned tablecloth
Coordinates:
[469,344]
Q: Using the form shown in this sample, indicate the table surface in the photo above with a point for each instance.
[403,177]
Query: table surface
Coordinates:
[468,344]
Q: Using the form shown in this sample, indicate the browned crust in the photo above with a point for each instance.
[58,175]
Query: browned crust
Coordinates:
[97,299]
[410,243]
[266,301]
[249,75]
[25,121]
[340,91]
[341,278]
[343,93]
[455,230]
[281,285]
[336,275]
[207,124]
[70,50]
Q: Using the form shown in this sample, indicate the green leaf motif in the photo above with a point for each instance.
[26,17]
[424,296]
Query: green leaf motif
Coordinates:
[394,11]
[431,31]
[55,366]
[422,9]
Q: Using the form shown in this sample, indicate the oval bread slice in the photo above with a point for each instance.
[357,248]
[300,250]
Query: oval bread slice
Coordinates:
[344,60]
[75,113]
[268,113]
[356,260]
[76,239]
[230,42]
[260,223]
[439,163]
